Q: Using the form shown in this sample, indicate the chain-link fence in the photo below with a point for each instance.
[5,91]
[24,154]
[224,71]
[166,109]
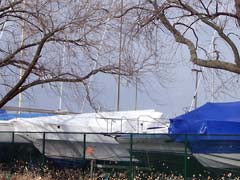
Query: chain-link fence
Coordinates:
[120,155]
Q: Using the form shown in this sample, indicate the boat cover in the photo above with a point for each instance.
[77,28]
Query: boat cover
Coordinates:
[209,119]
[7,116]
[211,132]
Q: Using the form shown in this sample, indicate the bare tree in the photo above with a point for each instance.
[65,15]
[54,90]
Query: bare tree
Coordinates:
[34,35]
[191,24]
[237,5]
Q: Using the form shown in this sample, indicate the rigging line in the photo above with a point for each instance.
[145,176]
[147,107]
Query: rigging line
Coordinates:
[61,83]
[2,29]
[195,93]
[199,81]
[98,54]
[212,70]
[210,49]
[4,23]
[62,65]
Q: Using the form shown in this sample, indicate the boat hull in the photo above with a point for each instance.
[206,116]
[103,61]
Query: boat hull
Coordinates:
[217,152]
[219,160]
[161,143]
[61,149]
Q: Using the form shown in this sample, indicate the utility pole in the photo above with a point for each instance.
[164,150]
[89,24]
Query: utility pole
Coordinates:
[196,86]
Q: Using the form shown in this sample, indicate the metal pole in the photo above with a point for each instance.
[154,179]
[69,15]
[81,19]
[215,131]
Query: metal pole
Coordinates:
[185,157]
[84,152]
[196,86]
[61,83]
[111,125]
[13,146]
[136,93]
[84,146]
[131,152]
[43,147]
[213,85]
[22,54]
[121,124]
[107,125]
[119,59]
[91,170]
[13,137]
[138,124]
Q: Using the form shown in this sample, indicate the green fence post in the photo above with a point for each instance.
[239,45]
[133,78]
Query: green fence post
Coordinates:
[185,157]
[43,147]
[84,152]
[13,154]
[43,154]
[131,152]
[13,138]
[84,146]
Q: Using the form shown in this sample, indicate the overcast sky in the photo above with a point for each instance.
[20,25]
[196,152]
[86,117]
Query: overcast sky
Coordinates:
[172,99]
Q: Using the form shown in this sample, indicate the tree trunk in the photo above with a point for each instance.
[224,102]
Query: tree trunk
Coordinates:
[237,5]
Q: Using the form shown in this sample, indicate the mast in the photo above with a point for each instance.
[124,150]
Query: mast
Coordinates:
[21,54]
[99,52]
[196,86]
[136,93]
[119,59]
[62,64]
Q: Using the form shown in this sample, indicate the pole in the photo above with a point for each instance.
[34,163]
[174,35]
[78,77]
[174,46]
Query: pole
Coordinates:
[119,59]
[43,148]
[13,137]
[84,153]
[196,86]
[185,157]
[61,83]
[84,146]
[131,152]
[213,81]
[22,55]
[136,93]
[91,170]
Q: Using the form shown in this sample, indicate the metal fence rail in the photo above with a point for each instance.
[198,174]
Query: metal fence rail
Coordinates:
[134,156]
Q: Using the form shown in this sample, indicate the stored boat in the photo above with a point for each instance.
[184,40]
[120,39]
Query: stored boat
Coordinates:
[212,133]
[66,136]
[153,145]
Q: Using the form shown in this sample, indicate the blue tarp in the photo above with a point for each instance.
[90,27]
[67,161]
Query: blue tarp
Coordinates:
[7,116]
[211,118]
[213,127]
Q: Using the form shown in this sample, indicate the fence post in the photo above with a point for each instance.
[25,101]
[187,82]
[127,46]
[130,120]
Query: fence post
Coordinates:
[131,152]
[185,156]
[43,147]
[84,146]
[13,138]
[13,147]
[84,153]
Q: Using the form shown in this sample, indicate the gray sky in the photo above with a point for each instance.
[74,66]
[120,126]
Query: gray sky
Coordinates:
[171,99]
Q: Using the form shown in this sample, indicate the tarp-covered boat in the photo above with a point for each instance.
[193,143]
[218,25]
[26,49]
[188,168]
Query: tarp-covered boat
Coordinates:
[60,143]
[213,133]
